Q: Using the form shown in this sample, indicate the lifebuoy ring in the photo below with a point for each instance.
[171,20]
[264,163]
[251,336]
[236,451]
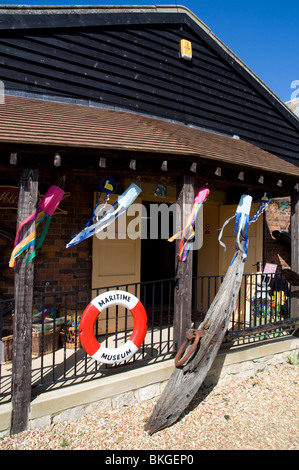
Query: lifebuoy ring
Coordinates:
[93,310]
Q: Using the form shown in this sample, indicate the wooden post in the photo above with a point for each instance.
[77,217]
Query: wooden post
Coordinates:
[184,269]
[22,323]
[295,252]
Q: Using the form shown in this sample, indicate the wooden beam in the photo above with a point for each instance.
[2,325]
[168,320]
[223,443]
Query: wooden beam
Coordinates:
[22,323]
[184,269]
[186,378]
[259,329]
[295,252]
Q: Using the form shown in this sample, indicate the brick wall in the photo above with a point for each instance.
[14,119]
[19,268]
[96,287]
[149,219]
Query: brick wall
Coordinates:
[8,224]
[56,267]
[277,217]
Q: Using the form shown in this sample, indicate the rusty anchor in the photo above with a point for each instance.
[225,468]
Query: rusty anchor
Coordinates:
[193,336]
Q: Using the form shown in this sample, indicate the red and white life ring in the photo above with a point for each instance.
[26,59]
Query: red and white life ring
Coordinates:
[93,310]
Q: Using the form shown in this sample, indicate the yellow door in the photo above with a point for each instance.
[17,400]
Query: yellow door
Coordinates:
[208,254]
[208,258]
[116,253]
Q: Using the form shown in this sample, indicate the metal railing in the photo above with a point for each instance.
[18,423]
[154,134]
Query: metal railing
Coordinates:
[262,299]
[57,355]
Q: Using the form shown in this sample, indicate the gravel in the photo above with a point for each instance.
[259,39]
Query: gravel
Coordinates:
[258,412]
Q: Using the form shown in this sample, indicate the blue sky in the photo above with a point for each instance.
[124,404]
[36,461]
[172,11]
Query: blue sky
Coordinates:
[264,34]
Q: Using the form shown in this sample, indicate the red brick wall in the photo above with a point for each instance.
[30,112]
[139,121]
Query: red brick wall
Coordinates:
[8,224]
[277,217]
[56,267]
[60,268]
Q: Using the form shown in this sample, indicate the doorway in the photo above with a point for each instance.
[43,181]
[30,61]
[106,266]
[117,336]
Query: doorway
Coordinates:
[157,264]
[157,254]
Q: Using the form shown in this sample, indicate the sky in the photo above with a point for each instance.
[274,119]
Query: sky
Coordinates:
[264,34]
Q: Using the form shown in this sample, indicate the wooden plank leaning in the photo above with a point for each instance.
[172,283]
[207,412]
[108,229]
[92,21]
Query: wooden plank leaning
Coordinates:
[186,379]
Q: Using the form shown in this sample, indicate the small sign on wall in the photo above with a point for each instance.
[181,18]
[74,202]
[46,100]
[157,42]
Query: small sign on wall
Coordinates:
[9,196]
[186,49]
[207,229]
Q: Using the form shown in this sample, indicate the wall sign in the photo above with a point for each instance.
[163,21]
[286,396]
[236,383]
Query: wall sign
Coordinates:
[186,49]
[9,196]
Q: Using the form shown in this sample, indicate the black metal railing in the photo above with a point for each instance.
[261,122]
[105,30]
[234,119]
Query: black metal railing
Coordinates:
[58,357]
[262,299]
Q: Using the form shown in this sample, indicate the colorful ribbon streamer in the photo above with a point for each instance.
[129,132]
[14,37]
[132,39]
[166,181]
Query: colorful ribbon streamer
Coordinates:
[188,232]
[119,207]
[45,210]
[241,226]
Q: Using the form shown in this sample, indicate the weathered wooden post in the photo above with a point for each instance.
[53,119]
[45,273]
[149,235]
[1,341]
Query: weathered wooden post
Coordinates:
[22,323]
[184,269]
[295,252]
